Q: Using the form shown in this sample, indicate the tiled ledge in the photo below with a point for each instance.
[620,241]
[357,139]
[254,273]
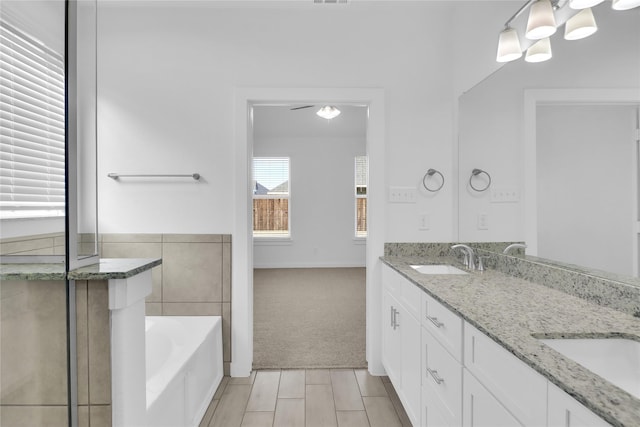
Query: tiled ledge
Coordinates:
[114,268]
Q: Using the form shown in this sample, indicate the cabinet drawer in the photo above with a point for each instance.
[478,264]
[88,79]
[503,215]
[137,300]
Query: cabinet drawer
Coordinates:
[516,385]
[481,409]
[442,376]
[565,411]
[445,325]
[391,281]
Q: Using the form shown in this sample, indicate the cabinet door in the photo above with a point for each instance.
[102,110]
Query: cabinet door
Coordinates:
[481,409]
[433,413]
[411,385]
[441,381]
[515,384]
[391,339]
[564,411]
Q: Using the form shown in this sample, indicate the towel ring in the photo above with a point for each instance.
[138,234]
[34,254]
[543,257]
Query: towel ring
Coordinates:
[477,172]
[430,173]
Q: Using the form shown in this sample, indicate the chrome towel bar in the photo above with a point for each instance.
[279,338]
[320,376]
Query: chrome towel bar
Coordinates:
[116,176]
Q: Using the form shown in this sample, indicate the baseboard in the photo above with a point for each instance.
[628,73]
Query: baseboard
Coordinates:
[309,265]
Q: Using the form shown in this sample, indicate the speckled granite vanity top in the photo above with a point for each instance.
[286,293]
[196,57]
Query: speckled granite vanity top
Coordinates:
[515,312]
[106,269]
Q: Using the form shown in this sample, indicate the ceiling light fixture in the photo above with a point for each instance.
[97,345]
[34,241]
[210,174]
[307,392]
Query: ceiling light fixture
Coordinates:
[541,22]
[328,112]
[540,51]
[508,46]
[583,4]
[625,4]
[581,25]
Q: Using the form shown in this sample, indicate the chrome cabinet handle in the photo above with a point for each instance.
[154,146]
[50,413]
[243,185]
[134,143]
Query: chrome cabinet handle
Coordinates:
[435,376]
[391,312]
[395,319]
[435,321]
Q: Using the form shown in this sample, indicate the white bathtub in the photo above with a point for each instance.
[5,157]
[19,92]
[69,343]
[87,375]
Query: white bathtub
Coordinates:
[184,368]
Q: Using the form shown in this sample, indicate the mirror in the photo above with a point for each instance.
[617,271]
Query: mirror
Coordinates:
[518,125]
[48,133]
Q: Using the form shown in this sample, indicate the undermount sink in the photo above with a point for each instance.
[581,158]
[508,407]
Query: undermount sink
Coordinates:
[437,269]
[617,360]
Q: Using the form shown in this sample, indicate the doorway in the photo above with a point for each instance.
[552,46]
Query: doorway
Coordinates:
[242,251]
[309,224]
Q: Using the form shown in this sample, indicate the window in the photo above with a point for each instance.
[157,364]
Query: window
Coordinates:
[271,197]
[32,171]
[362,176]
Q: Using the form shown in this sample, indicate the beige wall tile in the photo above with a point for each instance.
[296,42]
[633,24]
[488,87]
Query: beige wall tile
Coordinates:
[99,343]
[82,343]
[192,238]
[226,368]
[153,309]
[192,309]
[226,331]
[25,245]
[138,250]
[83,416]
[131,238]
[33,367]
[192,272]
[226,238]
[226,272]
[34,416]
[100,415]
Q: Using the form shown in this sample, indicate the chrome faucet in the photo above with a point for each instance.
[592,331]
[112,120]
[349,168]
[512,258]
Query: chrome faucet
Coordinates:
[469,255]
[514,246]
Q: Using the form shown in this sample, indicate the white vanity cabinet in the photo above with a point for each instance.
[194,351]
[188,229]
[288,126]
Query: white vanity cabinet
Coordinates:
[401,353]
[481,409]
[564,411]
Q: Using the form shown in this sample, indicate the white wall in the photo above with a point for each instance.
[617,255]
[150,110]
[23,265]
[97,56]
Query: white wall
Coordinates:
[491,114]
[322,204]
[166,82]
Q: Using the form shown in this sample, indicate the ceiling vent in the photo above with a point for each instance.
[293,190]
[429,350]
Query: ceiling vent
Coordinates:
[330,1]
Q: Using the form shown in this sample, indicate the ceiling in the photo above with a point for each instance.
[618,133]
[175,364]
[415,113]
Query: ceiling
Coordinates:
[281,121]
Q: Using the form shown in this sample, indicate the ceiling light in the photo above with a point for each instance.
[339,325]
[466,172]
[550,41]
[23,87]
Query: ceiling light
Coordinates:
[580,25]
[541,21]
[625,4]
[328,112]
[540,51]
[583,4]
[508,46]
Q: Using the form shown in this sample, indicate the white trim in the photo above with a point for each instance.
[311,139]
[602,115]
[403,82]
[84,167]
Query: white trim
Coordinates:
[285,264]
[242,249]
[533,98]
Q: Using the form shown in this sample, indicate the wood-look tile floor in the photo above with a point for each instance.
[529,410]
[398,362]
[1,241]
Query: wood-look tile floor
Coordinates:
[306,398]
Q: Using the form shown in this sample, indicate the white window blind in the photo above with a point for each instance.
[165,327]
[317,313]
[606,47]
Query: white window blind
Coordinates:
[32,128]
[271,176]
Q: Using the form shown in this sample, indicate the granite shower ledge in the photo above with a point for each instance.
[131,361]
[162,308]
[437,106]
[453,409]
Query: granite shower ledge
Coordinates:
[515,312]
[106,269]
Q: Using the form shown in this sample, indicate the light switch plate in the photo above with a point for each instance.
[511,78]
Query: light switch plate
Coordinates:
[403,194]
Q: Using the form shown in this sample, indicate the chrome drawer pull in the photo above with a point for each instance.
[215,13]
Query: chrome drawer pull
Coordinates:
[435,376]
[435,321]
[395,319]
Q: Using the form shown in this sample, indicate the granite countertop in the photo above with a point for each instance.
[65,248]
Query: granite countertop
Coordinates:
[107,268]
[514,312]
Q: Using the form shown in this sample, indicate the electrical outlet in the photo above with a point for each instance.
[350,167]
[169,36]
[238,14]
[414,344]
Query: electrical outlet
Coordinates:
[423,221]
[403,194]
[483,221]
[505,195]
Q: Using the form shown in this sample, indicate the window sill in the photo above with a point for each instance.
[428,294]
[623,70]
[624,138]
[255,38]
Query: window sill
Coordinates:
[272,241]
[359,240]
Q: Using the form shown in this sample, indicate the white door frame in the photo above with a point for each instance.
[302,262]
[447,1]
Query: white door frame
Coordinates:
[242,246]
[535,97]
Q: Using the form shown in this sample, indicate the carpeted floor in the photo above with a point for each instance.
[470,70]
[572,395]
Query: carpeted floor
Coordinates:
[309,318]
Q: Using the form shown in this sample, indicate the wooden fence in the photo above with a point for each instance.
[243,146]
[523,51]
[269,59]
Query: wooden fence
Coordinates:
[271,215]
[361,217]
